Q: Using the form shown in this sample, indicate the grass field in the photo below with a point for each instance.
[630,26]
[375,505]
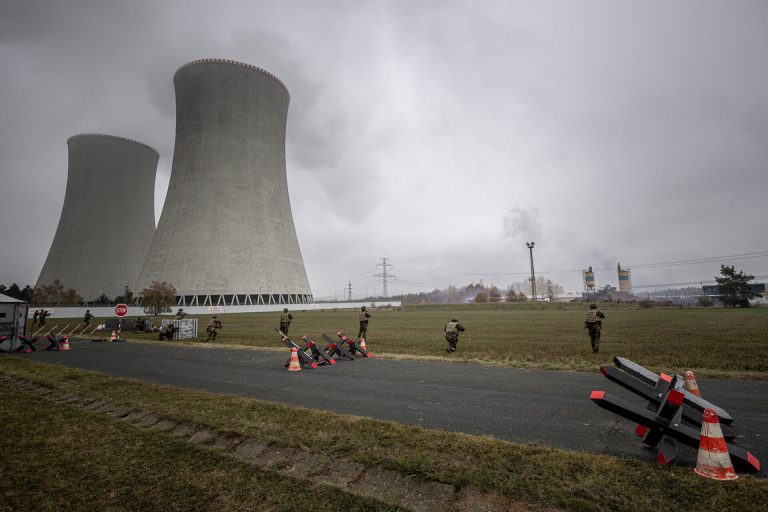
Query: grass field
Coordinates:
[99,464]
[713,342]
[59,458]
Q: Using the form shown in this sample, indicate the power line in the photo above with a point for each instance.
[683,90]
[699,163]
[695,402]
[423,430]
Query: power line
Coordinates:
[386,276]
[693,261]
[341,282]
[742,231]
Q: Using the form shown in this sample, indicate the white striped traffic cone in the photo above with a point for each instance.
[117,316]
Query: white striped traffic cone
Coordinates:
[293,365]
[362,345]
[713,460]
[65,344]
[690,384]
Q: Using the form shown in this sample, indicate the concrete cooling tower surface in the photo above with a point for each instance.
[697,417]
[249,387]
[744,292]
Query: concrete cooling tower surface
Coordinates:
[108,217]
[226,233]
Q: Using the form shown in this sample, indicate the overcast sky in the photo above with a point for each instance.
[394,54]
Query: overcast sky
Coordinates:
[442,135]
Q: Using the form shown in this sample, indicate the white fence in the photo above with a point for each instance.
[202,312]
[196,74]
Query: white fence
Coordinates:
[133,311]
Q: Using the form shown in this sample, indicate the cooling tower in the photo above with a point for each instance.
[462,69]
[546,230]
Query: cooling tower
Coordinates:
[226,233]
[108,217]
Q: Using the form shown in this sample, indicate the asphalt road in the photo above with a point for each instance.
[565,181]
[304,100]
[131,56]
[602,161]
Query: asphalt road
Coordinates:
[524,406]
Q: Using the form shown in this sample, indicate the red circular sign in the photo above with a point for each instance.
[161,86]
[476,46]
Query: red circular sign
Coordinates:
[121,310]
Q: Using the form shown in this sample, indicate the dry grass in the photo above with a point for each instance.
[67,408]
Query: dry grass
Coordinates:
[58,458]
[530,474]
[713,342]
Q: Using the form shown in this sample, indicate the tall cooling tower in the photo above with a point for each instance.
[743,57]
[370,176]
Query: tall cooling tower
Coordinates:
[226,233]
[108,218]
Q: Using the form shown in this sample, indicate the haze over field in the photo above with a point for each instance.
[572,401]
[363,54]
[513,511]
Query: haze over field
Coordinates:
[440,135]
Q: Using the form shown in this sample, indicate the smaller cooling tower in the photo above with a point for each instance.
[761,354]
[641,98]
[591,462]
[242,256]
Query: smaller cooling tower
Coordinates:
[589,280]
[108,218]
[625,280]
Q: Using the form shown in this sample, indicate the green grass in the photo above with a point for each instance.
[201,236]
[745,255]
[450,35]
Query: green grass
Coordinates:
[713,342]
[530,474]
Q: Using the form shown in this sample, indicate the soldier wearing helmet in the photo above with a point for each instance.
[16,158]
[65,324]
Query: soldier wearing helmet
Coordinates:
[87,319]
[593,323]
[212,329]
[285,321]
[363,316]
[452,330]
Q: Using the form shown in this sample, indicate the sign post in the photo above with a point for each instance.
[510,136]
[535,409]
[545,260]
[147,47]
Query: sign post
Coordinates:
[120,310]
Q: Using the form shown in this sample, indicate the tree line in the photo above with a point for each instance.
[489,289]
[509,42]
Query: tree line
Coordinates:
[26,294]
[480,293]
[158,298]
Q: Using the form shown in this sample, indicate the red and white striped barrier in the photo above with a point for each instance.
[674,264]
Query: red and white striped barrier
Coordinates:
[713,460]
[690,384]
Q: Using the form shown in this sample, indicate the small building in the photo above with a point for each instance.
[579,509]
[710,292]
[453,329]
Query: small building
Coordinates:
[13,317]
[713,290]
[608,294]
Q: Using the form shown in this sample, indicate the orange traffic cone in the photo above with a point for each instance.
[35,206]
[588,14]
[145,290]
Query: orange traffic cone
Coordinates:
[114,336]
[690,384]
[713,460]
[362,345]
[294,365]
[65,344]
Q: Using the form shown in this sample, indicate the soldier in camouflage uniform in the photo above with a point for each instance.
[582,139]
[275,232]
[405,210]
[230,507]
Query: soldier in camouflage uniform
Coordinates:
[180,314]
[593,323]
[167,332]
[213,326]
[452,330]
[363,316]
[87,319]
[285,321]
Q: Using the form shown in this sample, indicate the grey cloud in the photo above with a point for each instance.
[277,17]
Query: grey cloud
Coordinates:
[620,122]
[522,224]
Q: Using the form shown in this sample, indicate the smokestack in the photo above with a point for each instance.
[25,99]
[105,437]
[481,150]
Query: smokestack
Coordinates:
[625,279]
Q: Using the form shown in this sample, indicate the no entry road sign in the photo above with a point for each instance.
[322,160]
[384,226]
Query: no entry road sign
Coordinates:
[121,310]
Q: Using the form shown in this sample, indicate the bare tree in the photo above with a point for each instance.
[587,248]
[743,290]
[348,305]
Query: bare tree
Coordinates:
[70,296]
[158,298]
[50,293]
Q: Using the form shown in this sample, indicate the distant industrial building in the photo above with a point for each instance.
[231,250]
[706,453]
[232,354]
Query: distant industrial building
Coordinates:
[607,292]
[589,280]
[625,279]
[108,217]
[713,290]
[226,234]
